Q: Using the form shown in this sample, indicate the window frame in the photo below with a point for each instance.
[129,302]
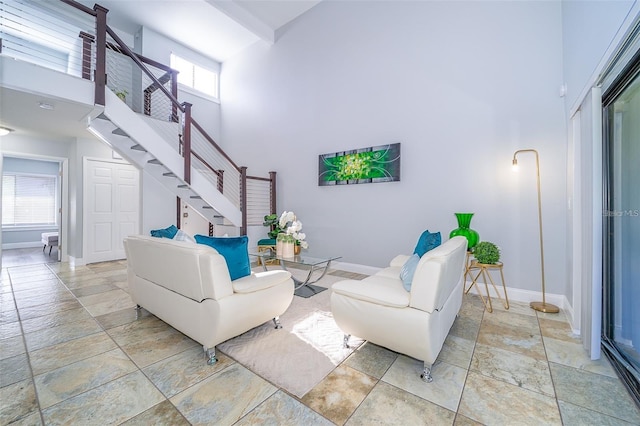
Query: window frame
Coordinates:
[33,226]
[191,88]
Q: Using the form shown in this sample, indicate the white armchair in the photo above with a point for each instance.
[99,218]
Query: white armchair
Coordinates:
[415,323]
[188,286]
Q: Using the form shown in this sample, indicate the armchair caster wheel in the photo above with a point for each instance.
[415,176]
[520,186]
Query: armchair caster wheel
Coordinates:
[345,341]
[426,374]
[211,355]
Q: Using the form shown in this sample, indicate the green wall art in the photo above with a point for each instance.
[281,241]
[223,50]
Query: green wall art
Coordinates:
[365,165]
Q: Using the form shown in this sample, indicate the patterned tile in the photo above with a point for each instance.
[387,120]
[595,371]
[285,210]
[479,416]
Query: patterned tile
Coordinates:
[371,359]
[492,368]
[445,390]
[18,401]
[56,356]
[520,370]
[149,340]
[596,392]
[575,415]
[61,333]
[73,379]
[223,398]
[14,369]
[180,371]
[491,401]
[397,407]
[282,409]
[163,413]
[112,403]
[110,301]
[573,354]
[339,394]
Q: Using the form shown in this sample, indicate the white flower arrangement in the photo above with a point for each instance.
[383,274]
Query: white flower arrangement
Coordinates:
[292,226]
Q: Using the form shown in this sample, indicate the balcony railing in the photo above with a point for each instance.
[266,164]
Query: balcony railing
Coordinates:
[69,37]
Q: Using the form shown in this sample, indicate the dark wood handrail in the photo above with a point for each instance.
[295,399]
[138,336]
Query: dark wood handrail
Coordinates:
[80,6]
[102,45]
[215,145]
[142,58]
[125,50]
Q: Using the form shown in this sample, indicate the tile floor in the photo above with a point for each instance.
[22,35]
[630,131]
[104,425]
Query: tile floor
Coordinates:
[74,351]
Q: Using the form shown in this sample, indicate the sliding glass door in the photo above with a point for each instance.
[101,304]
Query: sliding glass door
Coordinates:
[621,268]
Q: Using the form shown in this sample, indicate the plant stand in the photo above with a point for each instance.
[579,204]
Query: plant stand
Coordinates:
[484,270]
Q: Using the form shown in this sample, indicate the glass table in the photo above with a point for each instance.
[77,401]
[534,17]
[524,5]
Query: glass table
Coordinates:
[317,267]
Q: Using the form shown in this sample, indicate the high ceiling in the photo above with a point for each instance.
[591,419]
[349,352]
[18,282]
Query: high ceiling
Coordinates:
[216,28]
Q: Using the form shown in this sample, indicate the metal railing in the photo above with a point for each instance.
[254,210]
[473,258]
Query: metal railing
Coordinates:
[69,37]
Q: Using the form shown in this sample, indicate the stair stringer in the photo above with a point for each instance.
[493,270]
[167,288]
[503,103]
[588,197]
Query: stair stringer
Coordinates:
[200,193]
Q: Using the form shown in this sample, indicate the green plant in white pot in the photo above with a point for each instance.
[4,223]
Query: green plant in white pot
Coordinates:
[487,253]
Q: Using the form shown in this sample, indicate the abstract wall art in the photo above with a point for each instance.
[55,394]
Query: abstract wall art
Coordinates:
[365,165]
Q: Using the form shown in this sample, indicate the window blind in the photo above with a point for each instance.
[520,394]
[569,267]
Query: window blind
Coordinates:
[28,200]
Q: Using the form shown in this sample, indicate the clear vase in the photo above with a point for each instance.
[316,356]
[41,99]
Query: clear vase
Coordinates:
[464,221]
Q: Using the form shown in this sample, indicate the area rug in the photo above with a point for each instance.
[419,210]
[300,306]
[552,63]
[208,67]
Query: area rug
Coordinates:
[300,354]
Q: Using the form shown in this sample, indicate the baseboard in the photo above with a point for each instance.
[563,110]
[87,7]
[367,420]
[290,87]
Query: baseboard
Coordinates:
[76,261]
[28,244]
[354,267]
[528,296]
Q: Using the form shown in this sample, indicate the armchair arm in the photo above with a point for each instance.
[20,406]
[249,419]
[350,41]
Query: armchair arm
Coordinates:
[260,281]
[399,260]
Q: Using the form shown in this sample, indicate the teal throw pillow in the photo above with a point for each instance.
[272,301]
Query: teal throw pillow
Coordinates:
[408,270]
[169,232]
[426,242]
[234,250]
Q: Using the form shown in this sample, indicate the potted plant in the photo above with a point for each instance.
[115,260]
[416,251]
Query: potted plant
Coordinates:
[122,94]
[487,253]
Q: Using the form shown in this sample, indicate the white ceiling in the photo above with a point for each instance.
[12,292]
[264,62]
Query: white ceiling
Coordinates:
[216,28]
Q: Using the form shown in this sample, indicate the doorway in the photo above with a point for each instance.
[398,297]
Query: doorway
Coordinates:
[33,194]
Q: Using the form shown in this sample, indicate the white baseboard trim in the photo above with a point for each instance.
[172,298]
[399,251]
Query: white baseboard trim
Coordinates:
[354,267]
[528,296]
[28,244]
[514,294]
[76,261]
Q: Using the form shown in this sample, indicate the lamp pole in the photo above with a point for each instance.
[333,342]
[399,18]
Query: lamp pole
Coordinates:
[538,306]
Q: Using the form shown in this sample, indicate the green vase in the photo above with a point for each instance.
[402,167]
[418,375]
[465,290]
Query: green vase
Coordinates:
[472,236]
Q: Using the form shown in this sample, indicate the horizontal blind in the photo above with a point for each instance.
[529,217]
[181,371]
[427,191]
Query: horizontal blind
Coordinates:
[28,200]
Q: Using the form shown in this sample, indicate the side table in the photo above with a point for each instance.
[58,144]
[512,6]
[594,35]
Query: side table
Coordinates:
[484,270]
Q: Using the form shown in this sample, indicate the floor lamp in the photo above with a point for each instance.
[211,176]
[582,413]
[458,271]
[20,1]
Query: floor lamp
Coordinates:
[538,306]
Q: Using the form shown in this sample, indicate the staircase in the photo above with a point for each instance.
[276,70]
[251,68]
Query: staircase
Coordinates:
[135,137]
[147,125]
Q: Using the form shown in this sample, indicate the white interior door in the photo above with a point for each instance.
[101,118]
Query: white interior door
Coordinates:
[111,208]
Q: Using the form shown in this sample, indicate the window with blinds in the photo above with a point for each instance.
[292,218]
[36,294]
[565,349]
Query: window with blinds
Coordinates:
[28,200]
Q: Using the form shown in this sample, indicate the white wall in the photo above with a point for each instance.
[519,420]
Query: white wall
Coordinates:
[461,85]
[159,48]
[589,29]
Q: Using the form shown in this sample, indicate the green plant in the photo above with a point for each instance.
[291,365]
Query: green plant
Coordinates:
[271,220]
[122,94]
[486,252]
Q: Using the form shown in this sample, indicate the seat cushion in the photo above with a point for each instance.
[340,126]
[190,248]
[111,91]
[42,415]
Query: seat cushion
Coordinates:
[267,242]
[260,281]
[234,250]
[375,289]
[50,238]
